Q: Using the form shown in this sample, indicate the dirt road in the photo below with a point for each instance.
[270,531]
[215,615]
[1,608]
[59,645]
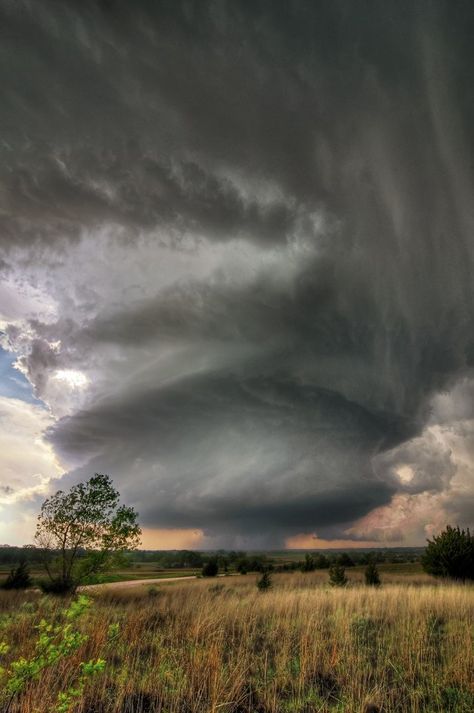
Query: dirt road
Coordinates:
[134,582]
[159,580]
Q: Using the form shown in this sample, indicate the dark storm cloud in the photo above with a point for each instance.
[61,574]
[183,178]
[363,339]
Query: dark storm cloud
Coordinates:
[341,129]
[125,113]
[200,437]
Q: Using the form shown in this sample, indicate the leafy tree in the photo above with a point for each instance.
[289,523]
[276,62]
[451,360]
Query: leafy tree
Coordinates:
[242,566]
[19,577]
[265,582]
[345,560]
[450,554]
[309,564]
[321,562]
[83,532]
[210,568]
[337,575]
[256,563]
[372,577]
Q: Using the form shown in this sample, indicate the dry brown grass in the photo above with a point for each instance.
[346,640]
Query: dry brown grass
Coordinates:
[223,647]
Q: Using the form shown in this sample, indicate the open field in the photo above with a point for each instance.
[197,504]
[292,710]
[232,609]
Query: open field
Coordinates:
[221,646]
[140,571]
[118,575]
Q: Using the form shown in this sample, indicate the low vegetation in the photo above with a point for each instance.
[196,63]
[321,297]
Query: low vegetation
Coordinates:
[199,646]
[321,632]
[18,577]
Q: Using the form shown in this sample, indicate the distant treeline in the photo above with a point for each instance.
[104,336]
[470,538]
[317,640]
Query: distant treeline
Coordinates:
[15,555]
[235,560]
[255,562]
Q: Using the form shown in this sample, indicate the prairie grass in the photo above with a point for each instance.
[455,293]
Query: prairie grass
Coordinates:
[222,646]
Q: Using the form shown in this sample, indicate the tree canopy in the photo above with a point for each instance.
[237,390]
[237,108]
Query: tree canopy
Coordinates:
[450,554]
[81,532]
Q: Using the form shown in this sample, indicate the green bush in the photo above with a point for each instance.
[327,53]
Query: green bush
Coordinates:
[372,577]
[19,578]
[337,575]
[55,642]
[309,564]
[450,554]
[210,568]
[265,582]
[55,586]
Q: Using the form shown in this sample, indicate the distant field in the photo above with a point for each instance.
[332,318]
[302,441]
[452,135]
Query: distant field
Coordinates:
[221,646]
[388,572]
[146,570]
[118,575]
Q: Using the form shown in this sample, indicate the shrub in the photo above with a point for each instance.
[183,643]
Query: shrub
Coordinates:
[265,582]
[55,643]
[450,554]
[309,565]
[372,577]
[321,562]
[55,586]
[242,566]
[210,568]
[337,575]
[345,560]
[19,578]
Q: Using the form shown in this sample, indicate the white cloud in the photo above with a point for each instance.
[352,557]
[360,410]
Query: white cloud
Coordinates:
[27,462]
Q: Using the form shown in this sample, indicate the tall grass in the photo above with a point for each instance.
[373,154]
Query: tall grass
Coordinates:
[225,647]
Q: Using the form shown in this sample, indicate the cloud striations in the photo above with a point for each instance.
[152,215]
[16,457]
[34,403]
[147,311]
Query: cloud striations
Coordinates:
[238,237]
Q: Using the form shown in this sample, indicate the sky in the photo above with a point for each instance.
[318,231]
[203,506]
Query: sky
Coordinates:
[236,262]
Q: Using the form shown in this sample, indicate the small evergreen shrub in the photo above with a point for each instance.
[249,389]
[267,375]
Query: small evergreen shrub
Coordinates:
[337,575]
[210,568]
[265,582]
[372,577]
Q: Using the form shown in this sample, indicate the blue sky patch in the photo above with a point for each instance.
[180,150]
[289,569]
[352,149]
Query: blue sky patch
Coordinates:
[13,384]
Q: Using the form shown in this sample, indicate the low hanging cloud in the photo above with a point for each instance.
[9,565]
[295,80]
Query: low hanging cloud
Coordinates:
[248,231]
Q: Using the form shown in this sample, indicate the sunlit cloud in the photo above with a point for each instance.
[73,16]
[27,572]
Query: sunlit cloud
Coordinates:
[173,539]
[313,542]
[71,377]
[29,467]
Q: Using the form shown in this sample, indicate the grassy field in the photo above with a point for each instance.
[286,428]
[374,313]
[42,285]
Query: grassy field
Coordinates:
[221,646]
[144,571]
[151,571]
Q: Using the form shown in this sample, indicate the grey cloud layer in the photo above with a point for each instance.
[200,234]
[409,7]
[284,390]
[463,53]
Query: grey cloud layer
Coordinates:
[330,137]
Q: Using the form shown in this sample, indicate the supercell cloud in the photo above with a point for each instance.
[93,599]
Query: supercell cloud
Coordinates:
[237,262]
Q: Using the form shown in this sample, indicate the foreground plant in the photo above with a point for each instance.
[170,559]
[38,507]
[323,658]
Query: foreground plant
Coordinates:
[55,643]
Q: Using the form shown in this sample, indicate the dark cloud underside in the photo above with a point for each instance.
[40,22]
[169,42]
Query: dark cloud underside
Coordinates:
[321,154]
